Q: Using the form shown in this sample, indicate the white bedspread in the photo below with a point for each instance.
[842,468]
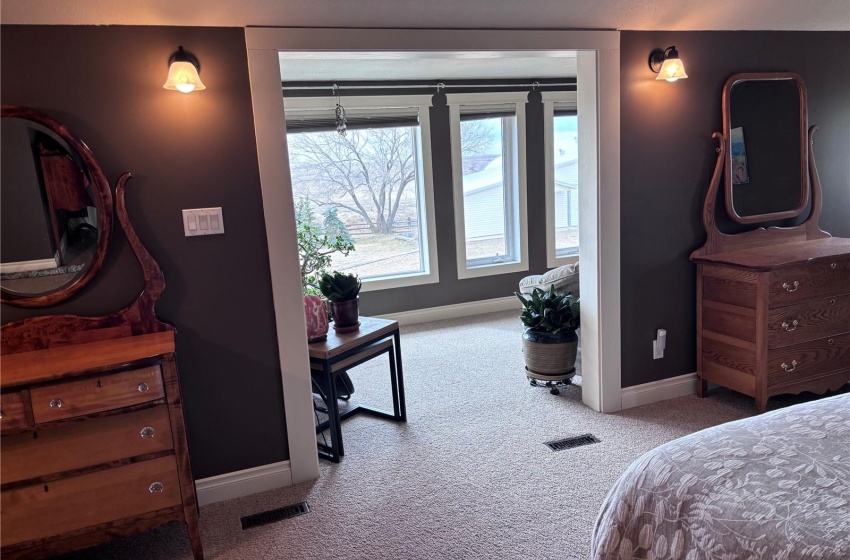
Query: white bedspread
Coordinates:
[773,486]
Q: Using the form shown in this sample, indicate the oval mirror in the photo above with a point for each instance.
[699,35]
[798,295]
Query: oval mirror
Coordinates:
[56,210]
[764,119]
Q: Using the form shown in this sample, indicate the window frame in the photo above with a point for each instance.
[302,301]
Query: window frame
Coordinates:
[518,173]
[424,173]
[550,99]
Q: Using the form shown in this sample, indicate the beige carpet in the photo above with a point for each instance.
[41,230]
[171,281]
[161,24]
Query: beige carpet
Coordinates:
[468,476]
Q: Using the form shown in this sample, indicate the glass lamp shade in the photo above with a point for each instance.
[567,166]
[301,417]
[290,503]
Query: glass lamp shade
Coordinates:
[672,70]
[183,76]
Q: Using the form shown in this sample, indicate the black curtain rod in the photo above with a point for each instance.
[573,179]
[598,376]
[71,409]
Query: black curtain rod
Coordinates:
[439,86]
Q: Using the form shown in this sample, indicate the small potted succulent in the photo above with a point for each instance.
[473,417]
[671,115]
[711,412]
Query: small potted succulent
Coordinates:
[342,292]
[549,342]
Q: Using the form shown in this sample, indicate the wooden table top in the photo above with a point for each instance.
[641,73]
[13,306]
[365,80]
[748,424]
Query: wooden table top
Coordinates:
[371,329]
[780,255]
[54,363]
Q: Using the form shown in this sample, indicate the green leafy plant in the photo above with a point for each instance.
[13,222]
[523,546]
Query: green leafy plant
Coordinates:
[549,312]
[317,244]
[339,286]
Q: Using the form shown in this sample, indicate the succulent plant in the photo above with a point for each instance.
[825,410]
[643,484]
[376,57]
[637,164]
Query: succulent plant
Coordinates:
[339,286]
[549,312]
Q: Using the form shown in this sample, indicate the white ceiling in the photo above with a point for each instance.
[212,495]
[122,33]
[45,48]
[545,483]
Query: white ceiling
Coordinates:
[389,66]
[820,15]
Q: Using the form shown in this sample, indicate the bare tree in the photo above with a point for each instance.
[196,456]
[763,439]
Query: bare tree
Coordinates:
[366,171]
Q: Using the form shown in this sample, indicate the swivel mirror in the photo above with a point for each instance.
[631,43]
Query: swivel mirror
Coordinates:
[56,211]
[764,121]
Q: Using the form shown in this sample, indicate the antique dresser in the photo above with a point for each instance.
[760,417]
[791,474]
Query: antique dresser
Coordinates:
[93,440]
[773,304]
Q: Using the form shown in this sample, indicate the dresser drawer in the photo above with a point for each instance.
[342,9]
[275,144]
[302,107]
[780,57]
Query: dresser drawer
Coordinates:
[76,445]
[13,410]
[813,319]
[809,359]
[821,278]
[96,394]
[82,501]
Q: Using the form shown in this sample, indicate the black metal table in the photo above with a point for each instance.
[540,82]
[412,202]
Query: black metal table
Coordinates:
[341,352]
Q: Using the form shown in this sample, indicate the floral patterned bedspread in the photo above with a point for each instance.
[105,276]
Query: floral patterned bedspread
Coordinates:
[773,486]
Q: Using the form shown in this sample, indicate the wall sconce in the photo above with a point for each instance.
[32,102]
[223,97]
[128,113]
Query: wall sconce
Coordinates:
[667,64]
[183,70]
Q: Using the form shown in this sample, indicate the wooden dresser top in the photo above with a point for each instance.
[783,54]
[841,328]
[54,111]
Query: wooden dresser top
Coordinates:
[780,255]
[55,363]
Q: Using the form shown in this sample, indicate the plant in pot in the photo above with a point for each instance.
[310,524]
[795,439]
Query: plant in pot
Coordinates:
[549,342]
[342,292]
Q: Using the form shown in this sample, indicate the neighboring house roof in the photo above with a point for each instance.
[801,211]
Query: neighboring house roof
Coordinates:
[473,164]
[566,175]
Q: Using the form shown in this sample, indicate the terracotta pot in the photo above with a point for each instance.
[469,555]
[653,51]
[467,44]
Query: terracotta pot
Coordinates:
[317,318]
[346,314]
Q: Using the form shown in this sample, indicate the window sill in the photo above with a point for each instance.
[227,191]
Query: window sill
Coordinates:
[492,269]
[401,281]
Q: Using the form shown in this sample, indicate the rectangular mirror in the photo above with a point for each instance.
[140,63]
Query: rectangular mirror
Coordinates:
[764,120]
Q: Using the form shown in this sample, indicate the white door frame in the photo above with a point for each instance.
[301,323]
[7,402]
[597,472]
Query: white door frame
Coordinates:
[599,230]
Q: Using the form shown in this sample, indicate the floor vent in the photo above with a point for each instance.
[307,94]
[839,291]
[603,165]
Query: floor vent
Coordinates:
[266,517]
[569,443]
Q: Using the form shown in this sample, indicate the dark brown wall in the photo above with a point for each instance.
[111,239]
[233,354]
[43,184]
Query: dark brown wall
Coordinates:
[185,151]
[668,158]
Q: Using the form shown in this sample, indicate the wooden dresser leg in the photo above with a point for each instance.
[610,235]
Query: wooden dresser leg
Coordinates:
[194,535]
[702,388]
[761,404]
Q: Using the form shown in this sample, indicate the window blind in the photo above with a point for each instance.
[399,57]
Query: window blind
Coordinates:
[478,112]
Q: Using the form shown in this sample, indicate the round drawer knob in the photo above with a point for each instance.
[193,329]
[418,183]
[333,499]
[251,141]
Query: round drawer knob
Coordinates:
[143,387]
[832,265]
[831,342]
[147,432]
[56,403]
[156,488]
[832,301]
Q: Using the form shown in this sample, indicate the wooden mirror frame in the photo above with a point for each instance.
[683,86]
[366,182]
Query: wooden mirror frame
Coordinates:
[804,151]
[101,193]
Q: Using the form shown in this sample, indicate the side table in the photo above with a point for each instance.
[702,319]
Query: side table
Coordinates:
[341,352]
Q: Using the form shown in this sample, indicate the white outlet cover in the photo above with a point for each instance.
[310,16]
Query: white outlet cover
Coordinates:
[203,221]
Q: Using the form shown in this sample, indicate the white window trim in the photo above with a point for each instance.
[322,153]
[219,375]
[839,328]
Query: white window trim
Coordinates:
[428,242]
[454,102]
[549,100]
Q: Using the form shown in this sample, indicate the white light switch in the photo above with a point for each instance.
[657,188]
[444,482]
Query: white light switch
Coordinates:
[203,221]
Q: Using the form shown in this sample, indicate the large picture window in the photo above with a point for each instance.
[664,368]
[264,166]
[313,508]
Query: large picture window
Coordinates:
[488,165]
[369,188]
[562,173]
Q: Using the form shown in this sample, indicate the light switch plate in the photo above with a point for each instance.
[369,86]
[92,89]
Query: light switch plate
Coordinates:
[203,221]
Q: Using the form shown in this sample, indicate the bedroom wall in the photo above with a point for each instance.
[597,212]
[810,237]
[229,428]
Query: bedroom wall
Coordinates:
[185,151]
[668,158]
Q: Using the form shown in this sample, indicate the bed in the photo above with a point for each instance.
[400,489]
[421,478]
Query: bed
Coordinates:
[773,486]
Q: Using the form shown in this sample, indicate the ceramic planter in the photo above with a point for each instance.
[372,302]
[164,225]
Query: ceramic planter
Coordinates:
[550,354]
[317,318]
[346,314]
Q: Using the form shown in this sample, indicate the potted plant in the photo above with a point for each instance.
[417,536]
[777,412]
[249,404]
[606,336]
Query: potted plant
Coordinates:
[341,290]
[549,342]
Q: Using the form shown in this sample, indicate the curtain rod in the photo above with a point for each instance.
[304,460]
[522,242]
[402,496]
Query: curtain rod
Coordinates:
[439,86]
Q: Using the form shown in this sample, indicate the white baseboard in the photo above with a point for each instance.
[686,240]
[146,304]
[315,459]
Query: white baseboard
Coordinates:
[243,483]
[648,393]
[27,266]
[454,311]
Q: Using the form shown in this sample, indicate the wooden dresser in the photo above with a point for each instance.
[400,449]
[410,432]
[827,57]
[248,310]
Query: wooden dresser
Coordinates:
[775,319]
[93,438]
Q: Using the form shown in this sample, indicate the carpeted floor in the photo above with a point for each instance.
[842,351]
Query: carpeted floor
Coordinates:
[468,476]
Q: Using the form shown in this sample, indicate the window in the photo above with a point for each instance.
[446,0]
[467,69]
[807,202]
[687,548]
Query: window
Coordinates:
[371,187]
[562,172]
[488,166]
